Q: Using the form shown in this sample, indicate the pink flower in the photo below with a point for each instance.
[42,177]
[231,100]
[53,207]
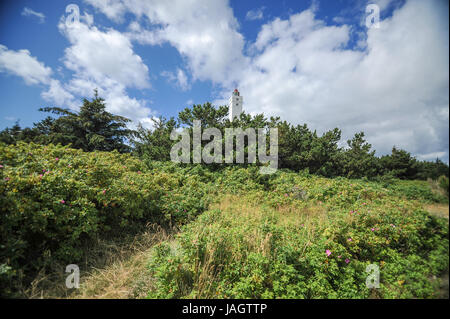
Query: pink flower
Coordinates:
[373,229]
[56,159]
[339,256]
[349,239]
[63,201]
[392,225]
[347,260]
[1,166]
[6,178]
[40,175]
[285,195]
[104,191]
[328,252]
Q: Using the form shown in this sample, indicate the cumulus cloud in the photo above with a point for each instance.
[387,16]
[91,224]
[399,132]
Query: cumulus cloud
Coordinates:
[29,12]
[34,72]
[104,60]
[103,54]
[396,90]
[98,59]
[22,64]
[113,9]
[393,84]
[58,95]
[203,31]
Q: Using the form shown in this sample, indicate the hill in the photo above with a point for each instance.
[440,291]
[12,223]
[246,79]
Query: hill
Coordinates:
[238,234]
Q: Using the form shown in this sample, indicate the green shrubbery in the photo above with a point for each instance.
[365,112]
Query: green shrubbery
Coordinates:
[299,147]
[316,245]
[54,200]
[269,242]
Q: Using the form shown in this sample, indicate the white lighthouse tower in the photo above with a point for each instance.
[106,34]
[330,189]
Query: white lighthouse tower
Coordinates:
[235,105]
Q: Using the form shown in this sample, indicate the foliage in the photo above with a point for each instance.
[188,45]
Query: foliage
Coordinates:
[299,147]
[270,240]
[155,144]
[358,160]
[311,238]
[92,128]
[54,200]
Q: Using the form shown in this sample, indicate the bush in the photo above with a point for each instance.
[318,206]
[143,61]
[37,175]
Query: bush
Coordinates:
[285,246]
[268,241]
[55,200]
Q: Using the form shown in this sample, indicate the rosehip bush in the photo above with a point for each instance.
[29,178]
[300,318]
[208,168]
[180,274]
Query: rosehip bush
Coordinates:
[54,200]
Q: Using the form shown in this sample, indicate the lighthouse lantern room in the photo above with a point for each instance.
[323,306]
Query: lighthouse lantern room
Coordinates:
[235,105]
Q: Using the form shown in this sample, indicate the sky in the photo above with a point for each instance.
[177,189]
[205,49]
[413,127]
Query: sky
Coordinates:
[315,62]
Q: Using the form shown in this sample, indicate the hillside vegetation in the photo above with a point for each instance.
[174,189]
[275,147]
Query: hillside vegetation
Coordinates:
[243,235]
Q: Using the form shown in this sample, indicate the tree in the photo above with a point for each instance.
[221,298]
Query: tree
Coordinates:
[155,144]
[432,169]
[400,164]
[206,113]
[358,160]
[92,128]
[17,133]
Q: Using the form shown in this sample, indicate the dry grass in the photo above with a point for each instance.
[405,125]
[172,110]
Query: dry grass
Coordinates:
[236,210]
[440,210]
[435,188]
[111,269]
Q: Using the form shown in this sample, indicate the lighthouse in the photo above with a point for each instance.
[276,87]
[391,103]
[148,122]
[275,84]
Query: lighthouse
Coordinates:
[235,105]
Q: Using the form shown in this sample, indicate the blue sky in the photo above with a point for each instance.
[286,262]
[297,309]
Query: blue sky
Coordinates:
[313,62]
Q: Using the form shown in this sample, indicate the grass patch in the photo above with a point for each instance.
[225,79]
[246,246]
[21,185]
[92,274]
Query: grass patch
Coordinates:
[241,248]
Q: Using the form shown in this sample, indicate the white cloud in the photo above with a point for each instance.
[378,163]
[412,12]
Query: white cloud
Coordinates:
[382,4]
[102,60]
[34,72]
[396,91]
[203,31]
[22,64]
[29,12]
[393,85]
[98,54]
[57,94]
[256,14]
[113,9]
[105,60]
[180,78]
